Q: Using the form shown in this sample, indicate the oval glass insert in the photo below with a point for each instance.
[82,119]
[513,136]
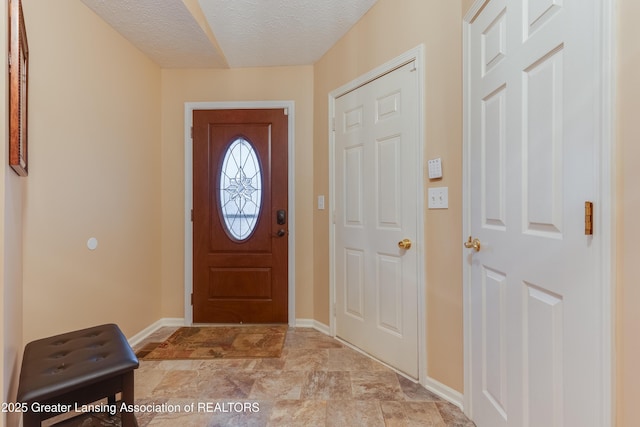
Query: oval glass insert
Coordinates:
[240,189]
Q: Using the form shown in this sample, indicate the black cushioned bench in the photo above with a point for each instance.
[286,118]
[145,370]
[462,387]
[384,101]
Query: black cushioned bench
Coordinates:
[66,371]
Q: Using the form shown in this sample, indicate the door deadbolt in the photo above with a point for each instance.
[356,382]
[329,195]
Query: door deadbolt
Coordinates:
[281,217]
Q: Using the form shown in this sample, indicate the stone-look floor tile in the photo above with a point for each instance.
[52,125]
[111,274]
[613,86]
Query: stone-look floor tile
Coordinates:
[409,414]
[148,365]
[252,364]
[452,415]
[145,382]
[163,333]
[270,364]
[346,359]
[317,381]
[180,365]
[306,360]
[177,417]
[323,385]
[310,339]
[215,364]
[205,384]
[182,420]
[342,413]
[281,385]
[224,384]
[302,413]
[414,391]
[376,385]
[241,414]
[144,418]
[156,337]
[177,384]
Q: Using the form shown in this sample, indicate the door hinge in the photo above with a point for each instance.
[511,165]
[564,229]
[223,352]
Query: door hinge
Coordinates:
[191,215]
[588,218]
[191,132]
[286,111]
[191,298]
[333,124]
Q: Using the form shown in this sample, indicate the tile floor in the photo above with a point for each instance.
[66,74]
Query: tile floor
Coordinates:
[316,382]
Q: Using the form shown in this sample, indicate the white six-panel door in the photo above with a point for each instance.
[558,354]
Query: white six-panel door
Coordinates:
[533,291]
[375,192]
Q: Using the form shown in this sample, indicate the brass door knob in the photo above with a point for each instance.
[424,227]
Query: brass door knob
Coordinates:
[475,244]
[404,244]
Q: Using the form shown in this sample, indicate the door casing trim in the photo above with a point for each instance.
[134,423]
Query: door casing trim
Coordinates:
[189,107]
[604,212]
[415,55]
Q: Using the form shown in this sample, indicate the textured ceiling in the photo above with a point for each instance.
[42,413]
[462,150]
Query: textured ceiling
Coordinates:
[231,33]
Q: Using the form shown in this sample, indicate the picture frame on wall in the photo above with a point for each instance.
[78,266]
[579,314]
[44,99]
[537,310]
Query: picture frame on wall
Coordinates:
[18,85]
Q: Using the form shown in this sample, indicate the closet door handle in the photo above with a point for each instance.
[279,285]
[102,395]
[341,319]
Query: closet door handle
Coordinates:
[475,244]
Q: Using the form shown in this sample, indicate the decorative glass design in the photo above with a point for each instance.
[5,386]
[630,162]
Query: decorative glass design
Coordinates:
[240,189]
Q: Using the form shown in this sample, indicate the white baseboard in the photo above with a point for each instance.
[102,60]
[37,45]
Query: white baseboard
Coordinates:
[445,392]
[310,323]
[166,321]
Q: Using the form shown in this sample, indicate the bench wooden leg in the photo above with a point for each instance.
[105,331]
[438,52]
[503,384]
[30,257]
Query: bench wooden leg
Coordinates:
[128,418]
[30,419]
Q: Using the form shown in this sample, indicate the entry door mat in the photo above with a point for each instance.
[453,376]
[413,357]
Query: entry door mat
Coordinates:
[218,342]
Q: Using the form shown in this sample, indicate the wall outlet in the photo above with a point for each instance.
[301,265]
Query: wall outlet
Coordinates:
[438,198]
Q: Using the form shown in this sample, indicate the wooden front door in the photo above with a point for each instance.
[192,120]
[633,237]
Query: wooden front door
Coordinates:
[240,219]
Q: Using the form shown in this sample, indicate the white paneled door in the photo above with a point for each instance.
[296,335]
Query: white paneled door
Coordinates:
[533,314]
[375,196]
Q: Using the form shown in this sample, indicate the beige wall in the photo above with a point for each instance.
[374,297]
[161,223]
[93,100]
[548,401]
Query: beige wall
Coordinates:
[11,211]
[389,29]
[250,84]
[94,136]
[628,206]
[466,5]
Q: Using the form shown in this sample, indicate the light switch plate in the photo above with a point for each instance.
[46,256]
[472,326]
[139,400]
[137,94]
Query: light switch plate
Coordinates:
[435,168]
[438,198]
